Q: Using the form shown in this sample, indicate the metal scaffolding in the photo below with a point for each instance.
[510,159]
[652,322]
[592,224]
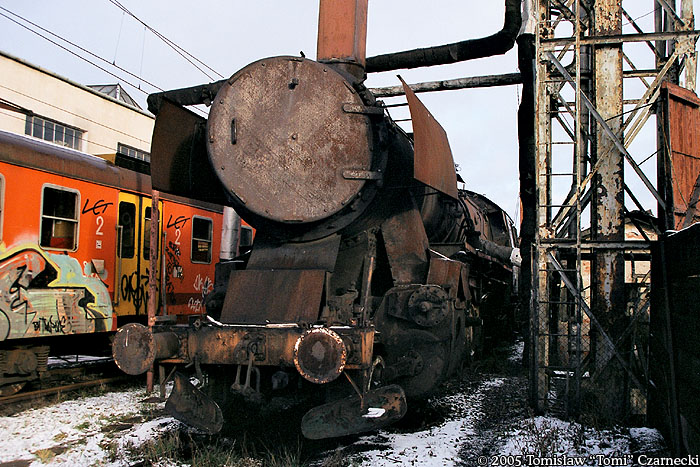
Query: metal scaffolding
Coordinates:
[599,75]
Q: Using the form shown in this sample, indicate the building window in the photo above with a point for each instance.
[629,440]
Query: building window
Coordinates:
[59,218]
[134,153]
[54,132]
[201,239]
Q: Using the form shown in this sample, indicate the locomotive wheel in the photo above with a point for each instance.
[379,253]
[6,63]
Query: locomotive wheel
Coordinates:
[430,373]
[10,389]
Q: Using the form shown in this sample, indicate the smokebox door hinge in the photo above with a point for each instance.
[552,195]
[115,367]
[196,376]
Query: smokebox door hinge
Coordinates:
[357,174]
[361,109]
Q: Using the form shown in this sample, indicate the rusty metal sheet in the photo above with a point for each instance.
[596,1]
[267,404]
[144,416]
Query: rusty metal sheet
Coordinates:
[179,161]
[378,408]
[444,272]
[191,406]
[319,254]
[406,246]
[280,140]
[273,296]
[432,159]
[684,140]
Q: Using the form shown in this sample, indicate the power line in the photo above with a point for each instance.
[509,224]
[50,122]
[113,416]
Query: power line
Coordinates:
[92,54]
[137,87]
[182,52]
[74,53]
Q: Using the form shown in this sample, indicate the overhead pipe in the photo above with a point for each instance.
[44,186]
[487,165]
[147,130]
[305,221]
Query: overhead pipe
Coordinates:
[496,44]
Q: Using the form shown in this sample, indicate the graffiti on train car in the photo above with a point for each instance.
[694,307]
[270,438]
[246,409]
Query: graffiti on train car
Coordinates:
[173,252]
[97,208]
[203,285]
[173,270]
[134,289]
[44,294]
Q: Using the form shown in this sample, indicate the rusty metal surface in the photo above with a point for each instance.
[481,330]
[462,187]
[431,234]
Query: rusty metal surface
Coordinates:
[432,160]
[318,254]
[320,355]
[378,408]
[342,30]
[191,406]
[270,345]
[445,273]
[135,348]
[279,139]
[275,296]
[407,247]
[179,162]
[684,141]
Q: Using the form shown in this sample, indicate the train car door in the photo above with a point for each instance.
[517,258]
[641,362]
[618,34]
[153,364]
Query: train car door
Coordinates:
[133,254]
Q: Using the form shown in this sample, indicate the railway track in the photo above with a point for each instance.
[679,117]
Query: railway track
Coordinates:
[66,376]
[42,393]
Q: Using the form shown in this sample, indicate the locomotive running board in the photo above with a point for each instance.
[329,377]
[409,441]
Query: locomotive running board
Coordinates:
[192,407]
[382,407]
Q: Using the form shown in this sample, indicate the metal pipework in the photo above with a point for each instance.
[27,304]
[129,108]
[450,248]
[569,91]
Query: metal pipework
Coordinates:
[496,44]
[136,348]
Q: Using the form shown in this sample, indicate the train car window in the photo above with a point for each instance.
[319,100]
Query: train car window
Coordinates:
[201,239]
[246,237]
[2,203]
[147,234]
[59,218]
[54,132]
[127,218]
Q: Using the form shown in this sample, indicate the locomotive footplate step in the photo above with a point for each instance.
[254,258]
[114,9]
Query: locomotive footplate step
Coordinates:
[349,416]
[192,407]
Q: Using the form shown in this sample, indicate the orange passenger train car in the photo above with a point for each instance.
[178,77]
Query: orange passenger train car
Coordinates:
[74,253]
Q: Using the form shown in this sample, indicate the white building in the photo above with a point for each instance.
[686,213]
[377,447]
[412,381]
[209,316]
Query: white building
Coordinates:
[101,120]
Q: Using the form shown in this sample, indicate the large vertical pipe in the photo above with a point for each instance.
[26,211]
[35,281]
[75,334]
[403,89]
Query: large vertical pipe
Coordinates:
[152,273]
[526,157]
[608,268]
[342,34]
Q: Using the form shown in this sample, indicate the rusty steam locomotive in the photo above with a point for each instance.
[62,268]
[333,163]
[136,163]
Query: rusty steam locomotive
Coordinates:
[371,272]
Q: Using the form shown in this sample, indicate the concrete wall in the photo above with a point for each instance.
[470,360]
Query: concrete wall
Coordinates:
[105,121]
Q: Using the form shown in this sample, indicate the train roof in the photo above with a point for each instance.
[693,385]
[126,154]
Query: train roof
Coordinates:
[26,151]
[483,202]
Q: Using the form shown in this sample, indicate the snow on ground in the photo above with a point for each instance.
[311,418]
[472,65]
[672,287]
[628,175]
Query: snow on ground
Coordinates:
[87,431]
[516,352]
[481,419]
[71,360]
[438,445]
[551,437]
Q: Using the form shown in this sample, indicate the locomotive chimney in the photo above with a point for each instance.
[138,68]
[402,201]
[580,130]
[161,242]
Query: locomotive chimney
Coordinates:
[342,35]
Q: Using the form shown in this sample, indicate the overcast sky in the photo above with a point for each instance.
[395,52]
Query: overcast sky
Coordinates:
[227,35]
